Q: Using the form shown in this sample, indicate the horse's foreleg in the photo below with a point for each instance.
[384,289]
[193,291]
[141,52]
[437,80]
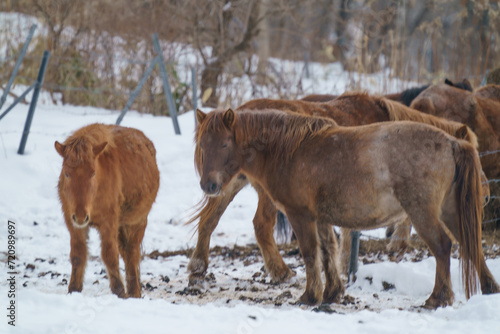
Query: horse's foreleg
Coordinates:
[306,232]
[130,238]
[78,257]
[209,218]
[263,222]
[110,257]
[334,289]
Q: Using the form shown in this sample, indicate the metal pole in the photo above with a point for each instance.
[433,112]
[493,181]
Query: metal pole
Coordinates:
[17,101]
[34,99]
[166,85]
[18,64]
[353,259]
[137,89]
[195,94]
[306,63]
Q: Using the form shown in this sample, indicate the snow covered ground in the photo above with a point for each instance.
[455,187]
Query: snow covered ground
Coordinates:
[237,299]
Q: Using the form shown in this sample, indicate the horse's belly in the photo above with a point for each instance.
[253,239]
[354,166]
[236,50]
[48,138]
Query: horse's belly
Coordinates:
[366,210]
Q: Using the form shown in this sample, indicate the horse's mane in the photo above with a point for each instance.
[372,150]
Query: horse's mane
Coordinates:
[282,132]
[79,144]
[353,94]
[398,112]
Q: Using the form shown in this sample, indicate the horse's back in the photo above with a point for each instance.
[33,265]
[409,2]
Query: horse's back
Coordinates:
[131,157]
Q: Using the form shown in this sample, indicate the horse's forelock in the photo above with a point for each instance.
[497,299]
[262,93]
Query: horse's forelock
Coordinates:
[213,122]
[77,152]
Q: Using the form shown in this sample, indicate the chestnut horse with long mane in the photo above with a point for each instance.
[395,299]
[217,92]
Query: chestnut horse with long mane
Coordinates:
[350,109]
[109,181]
[321,174]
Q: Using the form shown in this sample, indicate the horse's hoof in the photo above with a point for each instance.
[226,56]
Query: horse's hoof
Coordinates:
[196,281]
[72,289]
[490,288]
[284,277]
[433,303]
[334,296]
[134,295]
[307,299]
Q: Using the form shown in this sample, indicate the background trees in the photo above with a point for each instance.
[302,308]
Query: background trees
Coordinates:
[100,47]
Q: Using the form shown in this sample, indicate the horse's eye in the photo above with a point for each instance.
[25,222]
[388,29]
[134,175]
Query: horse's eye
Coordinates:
[66,174]
[93,174]
[224,146]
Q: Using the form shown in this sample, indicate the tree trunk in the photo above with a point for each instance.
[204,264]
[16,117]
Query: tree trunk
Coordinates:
[209,80]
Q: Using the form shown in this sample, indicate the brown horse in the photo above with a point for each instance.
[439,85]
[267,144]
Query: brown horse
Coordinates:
[109,181]
[479,110]
[405,97]
[363,177]
[347,110]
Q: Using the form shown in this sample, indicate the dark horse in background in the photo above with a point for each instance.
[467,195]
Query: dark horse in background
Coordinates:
[321,174]
[405,97]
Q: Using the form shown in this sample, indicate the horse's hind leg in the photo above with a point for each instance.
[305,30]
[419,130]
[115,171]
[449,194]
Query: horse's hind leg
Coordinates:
[110,256]
[429,228]
[78,257]
[130,239]
[334,289]
[264,221]
[209,218]
[305,229]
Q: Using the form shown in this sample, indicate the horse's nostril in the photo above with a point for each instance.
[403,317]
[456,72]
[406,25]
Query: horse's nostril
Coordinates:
[87,219]
[213,187]
[74,218]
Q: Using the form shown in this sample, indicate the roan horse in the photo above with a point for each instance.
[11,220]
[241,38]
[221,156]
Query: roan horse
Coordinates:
[321,174]
[109,181]
[348,110]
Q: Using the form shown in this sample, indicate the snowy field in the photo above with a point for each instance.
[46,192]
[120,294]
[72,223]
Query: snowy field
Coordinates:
[237,298]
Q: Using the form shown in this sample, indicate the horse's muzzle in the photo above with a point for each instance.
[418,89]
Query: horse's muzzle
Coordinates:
[212,189]
[80,223]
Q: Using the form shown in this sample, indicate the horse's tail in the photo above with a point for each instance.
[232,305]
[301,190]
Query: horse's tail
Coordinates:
[398,112]
[470,209]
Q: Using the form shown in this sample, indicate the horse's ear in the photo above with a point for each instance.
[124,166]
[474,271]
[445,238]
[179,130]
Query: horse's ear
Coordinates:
[228,118]
[99,148]
[462,132]
[448,82]
[59,148]
[467,85]
[200,116]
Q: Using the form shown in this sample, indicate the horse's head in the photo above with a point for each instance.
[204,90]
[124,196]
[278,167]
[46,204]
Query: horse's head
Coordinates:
[77,179]
[217,158]
[464,85]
